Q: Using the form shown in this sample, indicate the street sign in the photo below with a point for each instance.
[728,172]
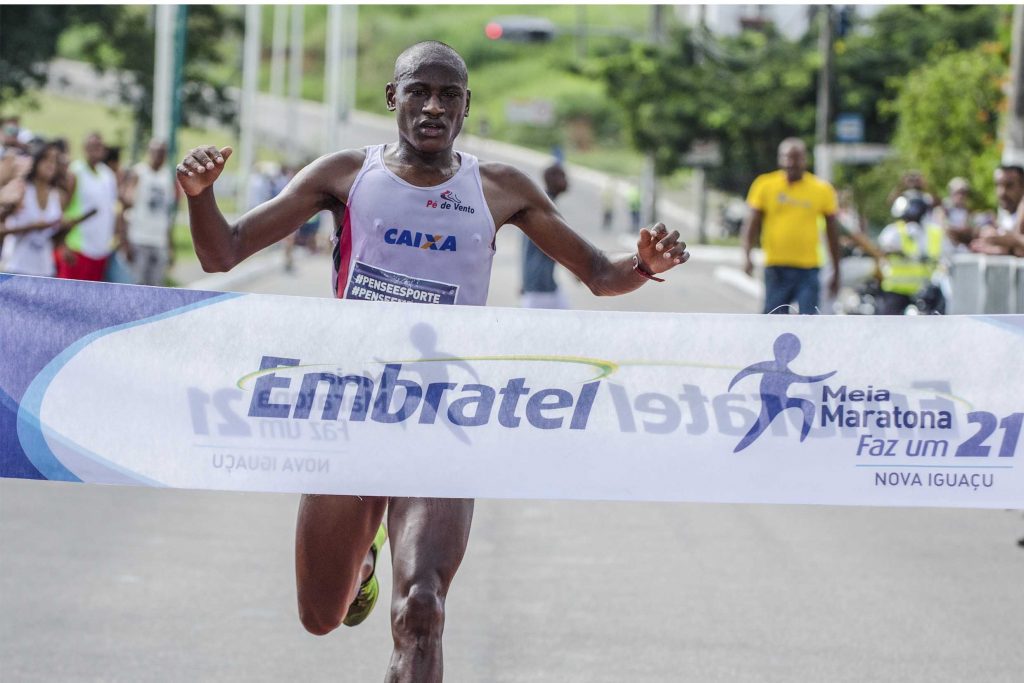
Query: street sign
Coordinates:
[850,128]
[703,153]
[862,153]
[531,112]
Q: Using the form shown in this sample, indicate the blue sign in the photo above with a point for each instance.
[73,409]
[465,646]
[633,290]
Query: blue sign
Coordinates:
[850,128]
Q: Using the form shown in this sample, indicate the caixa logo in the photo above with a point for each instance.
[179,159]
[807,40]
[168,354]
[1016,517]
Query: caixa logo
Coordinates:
[420,240]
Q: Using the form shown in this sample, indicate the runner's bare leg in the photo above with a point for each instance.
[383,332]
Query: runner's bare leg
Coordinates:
[428,542]
[333,536]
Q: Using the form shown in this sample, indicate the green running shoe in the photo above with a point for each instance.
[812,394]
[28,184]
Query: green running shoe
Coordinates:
[366,598]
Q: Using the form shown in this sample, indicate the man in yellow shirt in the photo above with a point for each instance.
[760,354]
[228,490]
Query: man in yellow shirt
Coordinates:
[786,204]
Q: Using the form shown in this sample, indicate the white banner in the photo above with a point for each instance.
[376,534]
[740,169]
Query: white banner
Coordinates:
[274,393]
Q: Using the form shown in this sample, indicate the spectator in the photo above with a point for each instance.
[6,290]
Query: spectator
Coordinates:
[635,205]
[954,214]
[1009,193]
[93,186]
[37,221]
[12,138]
[113,162]
[539,287]
[149,200]
[788,203]
[261,184]
[913,246]
[1006,236]
[852,237]
[912,181]
[64,179]
[608,205]
[307,235]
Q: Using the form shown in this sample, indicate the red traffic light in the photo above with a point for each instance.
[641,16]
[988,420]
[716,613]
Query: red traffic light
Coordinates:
[493,30]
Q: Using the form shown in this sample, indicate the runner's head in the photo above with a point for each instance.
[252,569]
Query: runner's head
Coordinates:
[429,94]
[793,158]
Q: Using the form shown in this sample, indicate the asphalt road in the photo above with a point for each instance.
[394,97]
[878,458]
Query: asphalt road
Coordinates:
[122,584]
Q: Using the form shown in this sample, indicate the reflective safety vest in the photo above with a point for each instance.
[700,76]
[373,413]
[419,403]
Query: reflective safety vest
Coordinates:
[910,270]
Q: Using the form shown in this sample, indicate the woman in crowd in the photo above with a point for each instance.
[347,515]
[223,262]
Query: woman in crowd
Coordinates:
[32,228]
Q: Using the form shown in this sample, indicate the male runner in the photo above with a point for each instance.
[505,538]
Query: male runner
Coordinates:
[418,182]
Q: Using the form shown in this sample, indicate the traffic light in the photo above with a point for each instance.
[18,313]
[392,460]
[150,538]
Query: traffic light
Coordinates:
[520,29]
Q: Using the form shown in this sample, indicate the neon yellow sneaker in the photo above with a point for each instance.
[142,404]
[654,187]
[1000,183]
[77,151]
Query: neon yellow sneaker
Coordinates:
[366,598]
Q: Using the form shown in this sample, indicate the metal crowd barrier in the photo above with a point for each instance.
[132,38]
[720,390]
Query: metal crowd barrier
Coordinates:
[986,284]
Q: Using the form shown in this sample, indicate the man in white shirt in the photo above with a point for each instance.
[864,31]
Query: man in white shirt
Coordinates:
[149,196]
[93,186]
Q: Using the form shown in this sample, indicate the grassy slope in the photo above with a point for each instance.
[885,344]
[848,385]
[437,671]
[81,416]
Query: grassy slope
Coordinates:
[499,70]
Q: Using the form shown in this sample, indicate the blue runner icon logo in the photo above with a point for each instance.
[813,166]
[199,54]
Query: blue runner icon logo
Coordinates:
[775,383]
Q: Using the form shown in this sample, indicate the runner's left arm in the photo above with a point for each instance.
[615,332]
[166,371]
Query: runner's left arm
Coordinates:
[515,199]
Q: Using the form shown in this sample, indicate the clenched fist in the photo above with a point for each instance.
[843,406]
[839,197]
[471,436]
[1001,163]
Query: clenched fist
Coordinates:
[201,167]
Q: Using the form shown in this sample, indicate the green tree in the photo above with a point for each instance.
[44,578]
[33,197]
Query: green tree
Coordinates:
[747,93]
[872,60]
[123,39]
[28,41]
[948,117]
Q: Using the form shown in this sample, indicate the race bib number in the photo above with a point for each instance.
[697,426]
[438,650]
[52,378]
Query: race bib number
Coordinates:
[375,284]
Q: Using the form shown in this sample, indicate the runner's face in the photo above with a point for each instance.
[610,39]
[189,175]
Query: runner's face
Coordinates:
[431,103]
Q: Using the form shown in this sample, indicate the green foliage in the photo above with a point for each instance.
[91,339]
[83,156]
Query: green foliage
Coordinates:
[948,114]
[28,40]
[591,107]
[871,62]
[661,95]
[122,37]
[871,186]
[748,94]
[499,70]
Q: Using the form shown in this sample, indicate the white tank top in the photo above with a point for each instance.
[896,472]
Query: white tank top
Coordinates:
[151,214]
[31,253]
[399,242]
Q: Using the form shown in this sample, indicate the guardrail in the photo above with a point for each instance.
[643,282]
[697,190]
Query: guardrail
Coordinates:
[986,284]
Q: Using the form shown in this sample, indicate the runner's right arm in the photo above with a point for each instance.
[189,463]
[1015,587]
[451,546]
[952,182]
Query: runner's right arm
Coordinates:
[221,245]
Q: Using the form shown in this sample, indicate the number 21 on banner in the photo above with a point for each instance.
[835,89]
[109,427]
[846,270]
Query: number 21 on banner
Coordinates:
[975,446]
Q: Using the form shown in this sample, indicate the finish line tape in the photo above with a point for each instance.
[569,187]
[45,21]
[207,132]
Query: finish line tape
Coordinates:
[118,384]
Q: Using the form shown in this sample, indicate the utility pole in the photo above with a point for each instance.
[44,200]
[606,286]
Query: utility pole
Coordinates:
[333,57]
[247,120]
[278,50]
[700,173]
[822,159]
[350,38]
[163,72]
[649,177]
[177,78]
[1013,131]
[295,83]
